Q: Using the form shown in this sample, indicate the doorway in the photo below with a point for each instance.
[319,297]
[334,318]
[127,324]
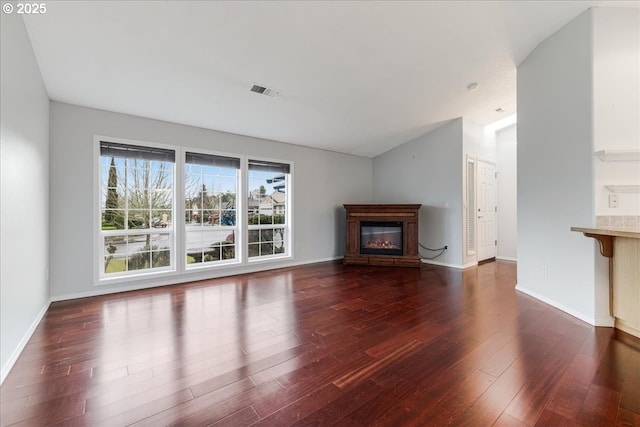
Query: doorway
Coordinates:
[487,209]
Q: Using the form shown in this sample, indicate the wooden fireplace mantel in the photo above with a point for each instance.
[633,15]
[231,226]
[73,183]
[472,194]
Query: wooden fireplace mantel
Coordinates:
[408,214]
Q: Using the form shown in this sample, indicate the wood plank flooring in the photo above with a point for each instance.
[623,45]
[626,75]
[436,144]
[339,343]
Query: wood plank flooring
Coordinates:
[324,344]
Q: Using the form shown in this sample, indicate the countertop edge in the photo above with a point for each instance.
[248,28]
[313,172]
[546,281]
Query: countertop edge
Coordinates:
[634,234]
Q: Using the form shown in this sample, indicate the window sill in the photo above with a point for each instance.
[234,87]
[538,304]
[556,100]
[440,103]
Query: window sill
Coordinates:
[133,278]
[215,266]
[270,258]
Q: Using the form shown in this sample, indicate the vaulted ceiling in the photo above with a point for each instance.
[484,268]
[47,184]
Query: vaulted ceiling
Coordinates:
[353,76]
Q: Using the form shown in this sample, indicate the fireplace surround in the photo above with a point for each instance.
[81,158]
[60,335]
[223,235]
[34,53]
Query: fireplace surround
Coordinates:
[382,234]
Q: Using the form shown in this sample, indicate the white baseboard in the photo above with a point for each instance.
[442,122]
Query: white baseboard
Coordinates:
[448,265]
[506,258]
[588,319]
[23,343]
[185,278]
[607,322]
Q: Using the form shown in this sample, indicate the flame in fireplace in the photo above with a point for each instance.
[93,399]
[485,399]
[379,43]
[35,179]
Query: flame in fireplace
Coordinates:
[382,244]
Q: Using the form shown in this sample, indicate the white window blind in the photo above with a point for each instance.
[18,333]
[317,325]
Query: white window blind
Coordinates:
[471,206]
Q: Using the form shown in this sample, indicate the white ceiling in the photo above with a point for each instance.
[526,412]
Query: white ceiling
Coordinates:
[355,77]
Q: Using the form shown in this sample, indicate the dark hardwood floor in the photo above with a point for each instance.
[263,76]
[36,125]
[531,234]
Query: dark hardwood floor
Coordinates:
[324,344]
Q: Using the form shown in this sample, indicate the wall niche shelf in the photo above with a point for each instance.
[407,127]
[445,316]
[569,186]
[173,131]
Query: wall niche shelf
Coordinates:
[623,188]
[618,155]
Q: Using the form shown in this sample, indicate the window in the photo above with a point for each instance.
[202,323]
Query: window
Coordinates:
[166,210]
[136,209]
[268,209]
[210,213]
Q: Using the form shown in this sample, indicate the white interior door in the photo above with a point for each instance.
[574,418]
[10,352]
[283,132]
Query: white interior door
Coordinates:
[487,210]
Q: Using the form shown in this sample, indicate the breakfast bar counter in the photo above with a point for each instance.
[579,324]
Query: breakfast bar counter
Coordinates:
[622,247]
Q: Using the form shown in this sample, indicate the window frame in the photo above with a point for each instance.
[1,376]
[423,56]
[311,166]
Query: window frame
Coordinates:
[103,278]
[288,226]
[239,247]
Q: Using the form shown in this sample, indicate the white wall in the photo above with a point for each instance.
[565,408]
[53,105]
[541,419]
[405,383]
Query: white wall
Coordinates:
[476,143]
[428,170]
[555,170]
[506,157]
[24,226]
[616,103]
[322,182]
[616,123]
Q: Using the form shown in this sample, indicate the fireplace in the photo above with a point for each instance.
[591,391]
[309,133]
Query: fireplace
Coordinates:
[382,235]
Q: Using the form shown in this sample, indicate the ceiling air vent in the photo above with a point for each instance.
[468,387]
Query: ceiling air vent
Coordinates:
[265,90]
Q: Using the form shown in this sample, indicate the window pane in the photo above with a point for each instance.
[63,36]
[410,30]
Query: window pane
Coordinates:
[228,217]
[266,235]
[213,238]
[254,250]
[191,168]
[254,217]
[112,219]
[208,200]
[115,245]
[212,184]
[228,252]
[214,218]
[254,236]
[266,249]
[138,219]
[194,244]
[161,258]
[279,216]
[279,240]
[228,184]
[211,254]
[115,264]
[160,241]
[140,260]
[228,200]
[209,217]
[161,182]
[193,184]
[112,184]
[137,242]
[211,170]
[161,218]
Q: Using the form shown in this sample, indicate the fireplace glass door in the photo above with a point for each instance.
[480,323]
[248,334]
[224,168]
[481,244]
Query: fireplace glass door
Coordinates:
[381,237]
